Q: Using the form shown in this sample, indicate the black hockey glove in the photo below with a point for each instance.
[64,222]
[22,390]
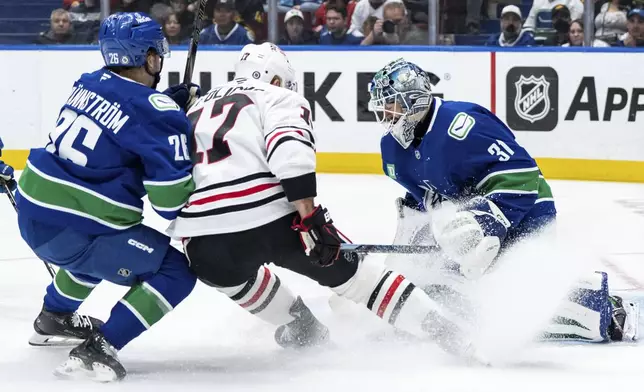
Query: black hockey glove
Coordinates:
[184,95]
[6,177]
[319,237]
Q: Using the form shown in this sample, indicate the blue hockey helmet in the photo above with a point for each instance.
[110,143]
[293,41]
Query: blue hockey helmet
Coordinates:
[126,37]
[401,95]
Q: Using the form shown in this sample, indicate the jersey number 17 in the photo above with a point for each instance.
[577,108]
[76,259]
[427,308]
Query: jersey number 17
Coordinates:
[219,149]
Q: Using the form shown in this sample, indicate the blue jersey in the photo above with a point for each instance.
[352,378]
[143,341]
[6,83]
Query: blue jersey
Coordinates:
[467,152]
[237,36]
[348,38]
[525,38]
[115,141]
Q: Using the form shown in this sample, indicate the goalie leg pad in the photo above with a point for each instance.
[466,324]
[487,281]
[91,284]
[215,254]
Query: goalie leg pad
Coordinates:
[585,315]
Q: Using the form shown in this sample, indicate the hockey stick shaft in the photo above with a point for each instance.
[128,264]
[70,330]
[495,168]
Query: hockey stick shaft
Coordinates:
[404,249]
[200,15]
[12,200]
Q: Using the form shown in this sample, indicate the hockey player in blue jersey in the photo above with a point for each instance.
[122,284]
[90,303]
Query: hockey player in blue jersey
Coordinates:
[79,198]
[6,173]
[460,152]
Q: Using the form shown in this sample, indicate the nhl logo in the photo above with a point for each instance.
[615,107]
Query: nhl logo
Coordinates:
[532,102]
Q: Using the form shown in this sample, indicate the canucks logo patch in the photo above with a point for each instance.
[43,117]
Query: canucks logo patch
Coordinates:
[461,126]
[391,171]
[163,103]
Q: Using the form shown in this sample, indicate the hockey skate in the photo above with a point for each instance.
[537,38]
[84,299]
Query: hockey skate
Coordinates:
[94,359]
[452,339]
[304,331]
[624,320]
[62,329]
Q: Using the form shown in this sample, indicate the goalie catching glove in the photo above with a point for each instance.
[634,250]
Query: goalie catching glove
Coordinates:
[472,237]
[319,237]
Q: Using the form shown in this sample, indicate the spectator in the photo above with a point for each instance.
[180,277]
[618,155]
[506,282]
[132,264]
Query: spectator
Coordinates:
[87,11]
[160,12]
[576,36]
[61,30]
[303,5]
[367,8]
[173,31]
[320,13]
[249,14]
[86,18]
[395,29]
[635,26]
[368,24]
[135,6]
[575,8]
[511,30]
[561,22]
[610,23]
[224,30]
[473,18]
[68,4]
[295,32]
[336,32]
[185,17]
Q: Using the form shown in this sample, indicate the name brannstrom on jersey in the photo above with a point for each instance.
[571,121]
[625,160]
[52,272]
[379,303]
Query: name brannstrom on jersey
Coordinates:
[108,114]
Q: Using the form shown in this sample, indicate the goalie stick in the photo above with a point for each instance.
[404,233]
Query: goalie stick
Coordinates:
[200,15]
[405,249]
[12,200]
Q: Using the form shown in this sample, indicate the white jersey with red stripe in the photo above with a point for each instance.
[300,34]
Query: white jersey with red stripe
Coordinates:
[254,152]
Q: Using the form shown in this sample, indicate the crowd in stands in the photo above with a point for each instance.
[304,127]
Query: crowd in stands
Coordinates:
[507,23]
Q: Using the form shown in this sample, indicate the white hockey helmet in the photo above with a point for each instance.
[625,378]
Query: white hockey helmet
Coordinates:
[266,63]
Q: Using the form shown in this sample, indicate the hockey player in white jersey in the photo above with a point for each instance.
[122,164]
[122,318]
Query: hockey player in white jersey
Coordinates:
[254,155]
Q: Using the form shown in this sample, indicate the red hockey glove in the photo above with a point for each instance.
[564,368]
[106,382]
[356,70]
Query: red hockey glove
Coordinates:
[319,237]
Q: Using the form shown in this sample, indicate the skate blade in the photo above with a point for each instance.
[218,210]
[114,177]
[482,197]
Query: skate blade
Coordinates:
[74,369]
[39,340]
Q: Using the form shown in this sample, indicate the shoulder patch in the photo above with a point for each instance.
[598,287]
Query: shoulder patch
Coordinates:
[163,103]
[391,171]
[461,126]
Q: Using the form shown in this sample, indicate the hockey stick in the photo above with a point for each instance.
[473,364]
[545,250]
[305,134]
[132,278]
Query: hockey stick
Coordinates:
[200,15]
[406,249]
[12,200]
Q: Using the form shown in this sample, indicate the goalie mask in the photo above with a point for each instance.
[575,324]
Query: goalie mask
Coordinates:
[401,95]
[266,63]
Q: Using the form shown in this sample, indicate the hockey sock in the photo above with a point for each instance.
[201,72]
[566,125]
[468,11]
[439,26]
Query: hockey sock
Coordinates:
[264,296]
[397,301]
[390,296]
[68,291]
[147,302]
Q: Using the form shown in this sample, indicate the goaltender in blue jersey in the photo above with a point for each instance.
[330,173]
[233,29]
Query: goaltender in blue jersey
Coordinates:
[458,151]
[80,204]
[460,154]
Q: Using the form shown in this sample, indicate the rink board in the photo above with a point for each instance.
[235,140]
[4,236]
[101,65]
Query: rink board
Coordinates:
[580,120]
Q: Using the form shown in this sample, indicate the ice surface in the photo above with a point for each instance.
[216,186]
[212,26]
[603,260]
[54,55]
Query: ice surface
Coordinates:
[209,344]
